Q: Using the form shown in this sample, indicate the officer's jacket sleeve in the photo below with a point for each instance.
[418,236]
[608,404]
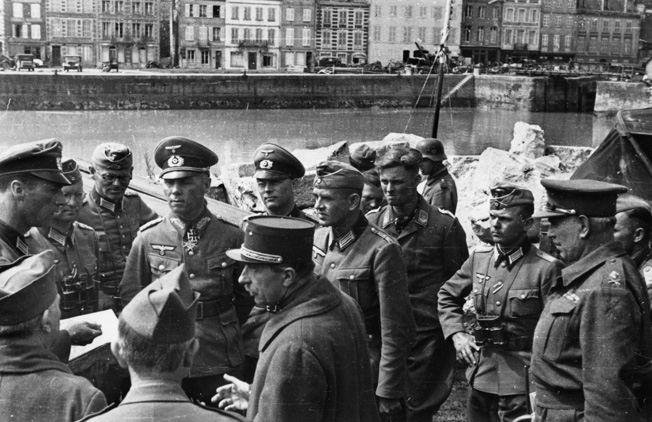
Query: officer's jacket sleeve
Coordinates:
[609,338]
[455,249]
[451,299]
[137,272]
[396,320]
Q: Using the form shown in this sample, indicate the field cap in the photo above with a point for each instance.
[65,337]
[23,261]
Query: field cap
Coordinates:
[71,170]
[27,288]
[628,202]
[165,311]
[275,240]
[432,148]
[40,158]
[363,157]
[112,156]
[180,157]
[337,175]
[505,196]
[275,162]
[591,198]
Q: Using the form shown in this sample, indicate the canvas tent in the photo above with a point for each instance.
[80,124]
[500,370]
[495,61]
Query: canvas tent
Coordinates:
[625,155]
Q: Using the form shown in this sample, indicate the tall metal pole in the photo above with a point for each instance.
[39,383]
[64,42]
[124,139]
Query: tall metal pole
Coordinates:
[172,40]
[442,61]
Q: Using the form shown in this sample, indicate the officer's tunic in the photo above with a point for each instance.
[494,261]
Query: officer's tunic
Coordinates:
[434,248]
[160,401]
[314,364]
[166,243]
[366,264]
[75,256]
[13,245]
[117,226]
[593,333]
[643,261]
[440,191]
[36,387]
[515,290]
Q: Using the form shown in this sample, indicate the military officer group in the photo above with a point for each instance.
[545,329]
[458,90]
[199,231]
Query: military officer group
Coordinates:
[352,311]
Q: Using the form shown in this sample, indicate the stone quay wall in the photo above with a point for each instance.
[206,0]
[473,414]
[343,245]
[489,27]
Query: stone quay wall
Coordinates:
[142,92]
[613,96]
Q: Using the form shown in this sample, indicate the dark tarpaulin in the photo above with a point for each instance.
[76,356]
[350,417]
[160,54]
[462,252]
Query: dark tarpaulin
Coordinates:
[625,155]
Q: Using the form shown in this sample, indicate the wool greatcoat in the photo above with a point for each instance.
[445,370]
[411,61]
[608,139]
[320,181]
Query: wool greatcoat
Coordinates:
[593,341]
[440,191]
[163,245]
[515,290]
[36,387]
[314,363]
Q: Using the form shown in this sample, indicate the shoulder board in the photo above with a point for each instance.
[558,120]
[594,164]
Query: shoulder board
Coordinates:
[378,232]
[374,211]
[443,211]
[131,193]
[614,273]
[150,224]
[84,226]
[541,254]
[227,416]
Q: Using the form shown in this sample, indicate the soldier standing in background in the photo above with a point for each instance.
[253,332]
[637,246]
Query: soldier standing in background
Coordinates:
[365,263]
[439,188]
[372,194]
[115,214]
[434,248]
[362,158]
[509,283]
[632,231]
[193,236]
[593,343]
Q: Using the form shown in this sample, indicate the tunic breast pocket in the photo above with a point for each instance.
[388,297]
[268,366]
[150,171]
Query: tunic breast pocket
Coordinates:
[357,283]
[554,325]
[221,269]
[160,265]
[523,303]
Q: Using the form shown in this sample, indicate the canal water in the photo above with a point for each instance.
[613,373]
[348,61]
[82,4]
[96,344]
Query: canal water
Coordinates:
[235,134]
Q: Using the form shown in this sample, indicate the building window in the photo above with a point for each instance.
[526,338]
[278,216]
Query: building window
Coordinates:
[594,26]
[106,6]
[581,44]
[135,30]
[234,35]
[407,34]
[190,55]
[205,56]
[569,22]
[289,14]
[544,41]
[422,34]
[271,36]
[328,18]
[358,18]
[271,15]
[534,16]
[149,30]
[119,6]
[136,8]
[268,59]
[357,40]
[436,12]
[203,33]
[617,26]
[558,21]
[468,11]
[628,29]
[149,8]
[615,46]
[593,44]
[289,37]
[259,14]
[17,31]
[235,12]
[392,34]
[520,36]
[423,12]
[509,15]
[532,38]
[545,21]
[627,46]
[605,25]
[393,11]
[216,34]
[481,34]
[467,33]
[604,45]
[305,37]
[508,36]
[246,34]
[482,10]
[35,11]
[328,39]
[247,13]
[18,10]
[237,59]
[203,12]
[377,11]
[408,12]
[494,13]
[341,39]
[521,15]
[87,28]
[106,29]
[343,15]
[36,32]
[376,33]
[567,41]
[190,33]
[493,35]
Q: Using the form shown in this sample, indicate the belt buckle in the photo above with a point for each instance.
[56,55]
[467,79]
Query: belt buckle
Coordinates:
[200,311]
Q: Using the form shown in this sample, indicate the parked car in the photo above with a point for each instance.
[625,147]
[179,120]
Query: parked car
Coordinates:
[108,66]
[72,62]
[38,63]
[24,61]
[6,62]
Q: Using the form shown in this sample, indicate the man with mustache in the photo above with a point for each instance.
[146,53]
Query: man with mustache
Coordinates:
[190,234]
[509,283]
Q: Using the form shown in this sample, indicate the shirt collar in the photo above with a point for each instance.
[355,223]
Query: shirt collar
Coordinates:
[347,238]
[13,238]
[105,203]
[590,262]
[510,257]
[199,224]
[435,176]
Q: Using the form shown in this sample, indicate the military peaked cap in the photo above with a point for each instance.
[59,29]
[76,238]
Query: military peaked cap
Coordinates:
[180,157]
[627,202]
[41,159]
[591,198]
[71,170]
[275,162]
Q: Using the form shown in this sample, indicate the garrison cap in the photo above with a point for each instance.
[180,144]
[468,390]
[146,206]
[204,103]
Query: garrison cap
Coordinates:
[41,159]
[432,148]
[338,175]
[275,240]
[164,311]
[363,158]
[71,170]
[112,156]
[628,202]
[591,198]
[27,288]
[275,162]
[180,157]
[505,196]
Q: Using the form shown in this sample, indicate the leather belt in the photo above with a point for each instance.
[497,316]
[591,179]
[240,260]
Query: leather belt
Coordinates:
[209,308]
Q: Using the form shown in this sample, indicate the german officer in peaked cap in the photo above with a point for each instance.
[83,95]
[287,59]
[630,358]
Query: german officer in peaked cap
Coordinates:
[367,264]
[593,343]
[439,188]
[190,234]
[314,363]
[115,213]
[157,344]
[509,283]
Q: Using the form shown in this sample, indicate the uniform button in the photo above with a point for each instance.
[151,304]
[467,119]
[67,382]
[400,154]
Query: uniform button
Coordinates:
[118,217]
[191,276]
[523,296]
[122,226]
[124,235]
[333,265]
[191,253]
[503,264]
[161,267]
[56,261]
[224,264]
[124,246]
[351,277]
[498,303]
[475,290]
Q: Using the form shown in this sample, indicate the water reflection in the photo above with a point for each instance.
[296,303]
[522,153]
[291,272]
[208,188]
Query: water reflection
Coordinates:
[234,134]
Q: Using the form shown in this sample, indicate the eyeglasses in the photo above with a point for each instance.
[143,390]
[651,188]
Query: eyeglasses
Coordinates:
[110,178]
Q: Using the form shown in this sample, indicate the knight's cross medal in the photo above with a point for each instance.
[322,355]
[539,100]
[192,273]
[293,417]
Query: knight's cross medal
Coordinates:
[192,240]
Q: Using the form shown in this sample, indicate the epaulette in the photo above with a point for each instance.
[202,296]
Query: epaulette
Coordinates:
[130,192]
[443,211]
[229,416]
[150,224]
[541,254]
[84,226]
[100,412]
[387,238]
[614,273]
